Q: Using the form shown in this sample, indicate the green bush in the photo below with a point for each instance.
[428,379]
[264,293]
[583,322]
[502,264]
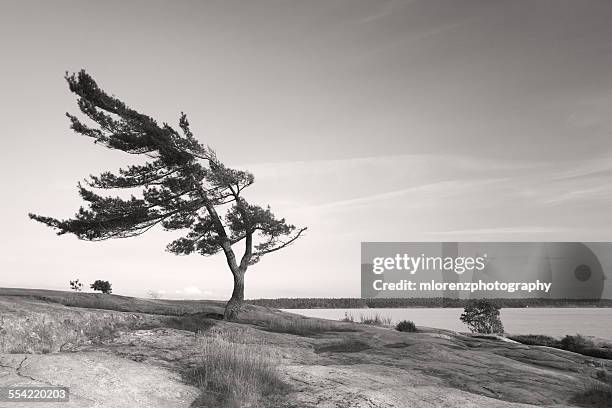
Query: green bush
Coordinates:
[406,326]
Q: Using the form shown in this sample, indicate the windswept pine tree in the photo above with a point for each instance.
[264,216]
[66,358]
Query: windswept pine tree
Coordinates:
[182,186]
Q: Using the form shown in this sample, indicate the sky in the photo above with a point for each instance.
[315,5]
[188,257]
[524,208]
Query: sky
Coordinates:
[362,120]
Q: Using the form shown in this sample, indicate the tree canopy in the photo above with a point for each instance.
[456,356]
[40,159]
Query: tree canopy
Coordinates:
[182,186]
[482,316]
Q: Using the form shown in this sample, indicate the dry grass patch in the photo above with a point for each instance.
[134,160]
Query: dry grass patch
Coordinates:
[233,373]
[196,322]
[577,344]
[536,340]
[344,346]
[376,319]
[305,326]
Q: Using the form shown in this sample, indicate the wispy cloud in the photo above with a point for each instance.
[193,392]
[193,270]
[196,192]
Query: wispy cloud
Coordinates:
[416,37]
[440,190]
[440,194]
[593,114]
[523,229]
[385,9]
[193,291]
[587,195]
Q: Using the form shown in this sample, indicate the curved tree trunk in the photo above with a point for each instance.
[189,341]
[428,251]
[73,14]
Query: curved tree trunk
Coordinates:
[235,303]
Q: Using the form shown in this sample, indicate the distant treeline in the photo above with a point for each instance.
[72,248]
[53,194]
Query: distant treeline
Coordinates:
[357,303]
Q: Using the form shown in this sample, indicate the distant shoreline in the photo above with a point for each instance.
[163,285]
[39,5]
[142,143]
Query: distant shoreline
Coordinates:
[386,303]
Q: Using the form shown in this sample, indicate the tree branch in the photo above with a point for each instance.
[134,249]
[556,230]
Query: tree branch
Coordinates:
[283,245]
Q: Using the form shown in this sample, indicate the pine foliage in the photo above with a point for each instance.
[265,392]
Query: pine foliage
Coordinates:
[182,185]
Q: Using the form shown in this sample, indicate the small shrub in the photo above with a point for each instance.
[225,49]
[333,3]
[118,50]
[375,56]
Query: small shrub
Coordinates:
[482,316]
[376,320]
[102,286]
[575,343]
[76,285]
[406,326]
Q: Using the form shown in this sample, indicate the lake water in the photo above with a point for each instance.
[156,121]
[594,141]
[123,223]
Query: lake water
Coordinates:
[549,321]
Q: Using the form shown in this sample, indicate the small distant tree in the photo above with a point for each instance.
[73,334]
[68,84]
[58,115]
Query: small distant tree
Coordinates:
[76,285]
[102,286]
[482,316]
[182,186]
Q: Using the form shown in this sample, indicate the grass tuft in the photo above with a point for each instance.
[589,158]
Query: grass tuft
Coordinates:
[595,394]
[232,373]
[376,320]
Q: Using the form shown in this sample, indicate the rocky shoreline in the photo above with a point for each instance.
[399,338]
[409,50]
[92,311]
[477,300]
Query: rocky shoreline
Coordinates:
[335,365]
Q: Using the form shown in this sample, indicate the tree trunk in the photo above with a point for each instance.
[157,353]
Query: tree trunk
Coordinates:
[235,303]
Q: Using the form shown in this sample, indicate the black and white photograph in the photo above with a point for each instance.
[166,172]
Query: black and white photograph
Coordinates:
[306,203]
